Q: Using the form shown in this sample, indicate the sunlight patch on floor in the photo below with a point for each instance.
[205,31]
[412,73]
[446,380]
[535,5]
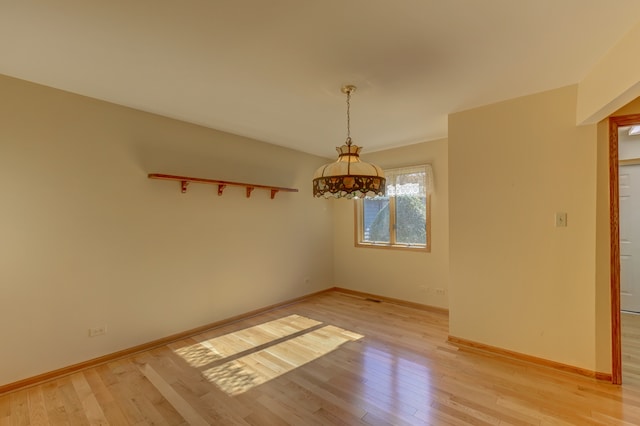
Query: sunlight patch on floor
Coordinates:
[238,361]
[211,350]
[240,375]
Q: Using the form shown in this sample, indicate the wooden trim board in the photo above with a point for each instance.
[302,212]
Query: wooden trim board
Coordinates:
[55,374]
[469,344]
[391,300]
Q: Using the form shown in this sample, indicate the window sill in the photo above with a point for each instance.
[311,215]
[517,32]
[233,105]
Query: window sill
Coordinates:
[418,248]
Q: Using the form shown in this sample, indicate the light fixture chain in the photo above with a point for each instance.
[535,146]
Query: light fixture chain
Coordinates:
[349,117]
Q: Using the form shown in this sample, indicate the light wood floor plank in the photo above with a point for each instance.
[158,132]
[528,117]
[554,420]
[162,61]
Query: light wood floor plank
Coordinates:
[90,405]
[20,408]
[37,409]
[56,412]
[184,408]
[72,403]
[112,412]
[5,407]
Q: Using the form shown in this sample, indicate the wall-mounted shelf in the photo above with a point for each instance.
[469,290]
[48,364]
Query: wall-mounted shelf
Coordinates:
[222,184]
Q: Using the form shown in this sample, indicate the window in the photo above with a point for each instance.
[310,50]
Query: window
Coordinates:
[400,219]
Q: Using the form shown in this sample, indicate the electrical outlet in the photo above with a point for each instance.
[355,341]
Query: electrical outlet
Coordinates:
[440,291]
[97,331]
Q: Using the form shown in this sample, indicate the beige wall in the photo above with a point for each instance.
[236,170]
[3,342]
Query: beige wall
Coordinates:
[603,253]
[518,282]
[613,82]
[87,240]
[399,273]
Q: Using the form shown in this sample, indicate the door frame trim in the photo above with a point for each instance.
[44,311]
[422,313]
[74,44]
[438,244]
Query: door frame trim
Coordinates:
[614,228]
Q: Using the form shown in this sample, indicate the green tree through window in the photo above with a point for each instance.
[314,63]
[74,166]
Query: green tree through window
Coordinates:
[411,216]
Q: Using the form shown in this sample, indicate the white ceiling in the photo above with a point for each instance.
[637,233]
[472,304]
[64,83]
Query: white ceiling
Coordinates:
[272,69]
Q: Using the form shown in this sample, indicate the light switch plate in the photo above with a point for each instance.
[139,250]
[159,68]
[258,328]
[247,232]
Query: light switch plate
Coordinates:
[561,219]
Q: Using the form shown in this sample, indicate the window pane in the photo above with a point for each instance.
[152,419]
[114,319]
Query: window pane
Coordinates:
[411,217]
[405,208]
[376,220]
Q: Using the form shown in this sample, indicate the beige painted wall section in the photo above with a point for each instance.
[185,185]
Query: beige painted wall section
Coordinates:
[603,254]
[87,240]
[517,282]
[398,273]
[611,83]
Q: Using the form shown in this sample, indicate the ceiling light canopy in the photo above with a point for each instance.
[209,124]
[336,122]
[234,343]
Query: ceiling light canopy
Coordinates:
[348,176]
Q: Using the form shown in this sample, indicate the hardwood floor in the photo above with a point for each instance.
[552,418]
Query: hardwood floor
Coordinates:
[333,359]
[630,328]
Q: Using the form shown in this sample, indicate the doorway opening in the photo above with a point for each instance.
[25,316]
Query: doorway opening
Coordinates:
[625,256]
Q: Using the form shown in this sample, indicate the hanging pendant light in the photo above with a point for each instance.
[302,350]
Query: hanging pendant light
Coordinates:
[348,176]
